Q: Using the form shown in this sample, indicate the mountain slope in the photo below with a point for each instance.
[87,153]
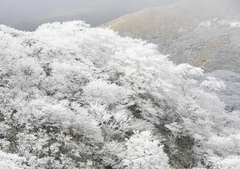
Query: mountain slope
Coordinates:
[79,97]
[202,33]
[94,12]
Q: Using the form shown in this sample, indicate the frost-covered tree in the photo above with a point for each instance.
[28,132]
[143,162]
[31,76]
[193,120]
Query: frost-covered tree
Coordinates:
[11,161]
[72,96]
[143,151]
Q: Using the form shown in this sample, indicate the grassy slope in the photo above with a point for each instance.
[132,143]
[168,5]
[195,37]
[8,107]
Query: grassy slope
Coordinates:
[190,32]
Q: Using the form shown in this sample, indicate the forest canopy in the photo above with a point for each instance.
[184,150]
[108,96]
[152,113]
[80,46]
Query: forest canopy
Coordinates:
[73,96]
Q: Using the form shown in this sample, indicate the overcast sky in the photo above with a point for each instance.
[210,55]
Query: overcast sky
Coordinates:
[21,13]
[29,14]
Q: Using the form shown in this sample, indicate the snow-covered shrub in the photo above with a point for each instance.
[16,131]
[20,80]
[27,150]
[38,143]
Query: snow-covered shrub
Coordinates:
[143,151]
[211,84]
[229,162]
[11,161]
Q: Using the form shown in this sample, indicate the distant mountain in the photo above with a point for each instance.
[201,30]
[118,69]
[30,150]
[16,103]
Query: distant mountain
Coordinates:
[200,32]
[94,12]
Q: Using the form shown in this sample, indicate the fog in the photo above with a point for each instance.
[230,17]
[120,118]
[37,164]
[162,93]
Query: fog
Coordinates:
[14,11]
[28,14]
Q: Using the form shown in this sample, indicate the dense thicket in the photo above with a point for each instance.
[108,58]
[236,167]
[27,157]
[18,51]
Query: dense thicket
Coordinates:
[78,97]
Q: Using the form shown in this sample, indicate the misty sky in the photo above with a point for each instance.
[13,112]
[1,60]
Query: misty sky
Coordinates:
[28,14]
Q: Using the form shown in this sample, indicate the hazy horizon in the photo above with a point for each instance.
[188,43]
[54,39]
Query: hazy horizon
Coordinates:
[28,14]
